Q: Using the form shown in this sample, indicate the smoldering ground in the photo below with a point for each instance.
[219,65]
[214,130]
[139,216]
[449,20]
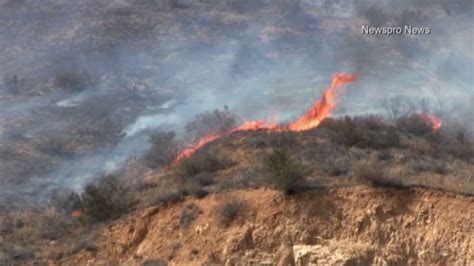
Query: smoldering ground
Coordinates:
[86,82]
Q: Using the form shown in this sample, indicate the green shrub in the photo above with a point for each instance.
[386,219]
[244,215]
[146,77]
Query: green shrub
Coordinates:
[286,173]
[108,199]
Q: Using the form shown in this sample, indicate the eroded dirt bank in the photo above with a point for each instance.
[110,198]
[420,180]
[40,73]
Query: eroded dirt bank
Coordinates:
[356,225]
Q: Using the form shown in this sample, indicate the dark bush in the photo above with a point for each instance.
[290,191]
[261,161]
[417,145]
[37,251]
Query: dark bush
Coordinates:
[286,173]
[163,149]
[336,166]
[363,132]
[189,213]
[197,191]
[201,162]
[211,122]
[204,180]
[346,131]
[414,125]
[371,122]
[384,155]
[441,168]
[108,199]
[170,198]
[228,211]
[154,262]
[193,189]
[72,81]
[380,139]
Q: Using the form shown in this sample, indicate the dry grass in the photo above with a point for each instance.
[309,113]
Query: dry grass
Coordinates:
[368,170]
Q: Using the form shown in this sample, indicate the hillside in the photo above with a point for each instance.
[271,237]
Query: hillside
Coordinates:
[397,198]
[349,226]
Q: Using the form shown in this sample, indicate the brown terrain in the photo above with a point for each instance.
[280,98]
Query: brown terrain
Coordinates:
[406,214]
[347,226]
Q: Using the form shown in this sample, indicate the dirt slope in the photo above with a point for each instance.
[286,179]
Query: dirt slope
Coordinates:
[356,225]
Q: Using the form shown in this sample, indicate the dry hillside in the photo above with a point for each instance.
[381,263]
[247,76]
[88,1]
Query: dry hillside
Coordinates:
[369,193]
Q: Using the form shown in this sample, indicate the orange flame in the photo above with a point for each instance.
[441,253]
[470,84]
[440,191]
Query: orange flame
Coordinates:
[321,108]
[432,120]
[76,214]
[312,118]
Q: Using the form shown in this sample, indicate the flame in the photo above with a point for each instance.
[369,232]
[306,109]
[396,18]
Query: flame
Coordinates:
[312,118]
[321,108]
[432,120]
[76,214]
[248,125]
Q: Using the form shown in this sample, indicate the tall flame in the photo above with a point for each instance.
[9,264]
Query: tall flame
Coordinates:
[321,108]
[312,118]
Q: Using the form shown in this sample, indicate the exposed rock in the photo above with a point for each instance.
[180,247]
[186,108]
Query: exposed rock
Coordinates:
[340,253]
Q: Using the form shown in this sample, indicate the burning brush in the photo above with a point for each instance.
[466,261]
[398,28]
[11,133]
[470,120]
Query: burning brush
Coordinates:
[432,120]
[310,119]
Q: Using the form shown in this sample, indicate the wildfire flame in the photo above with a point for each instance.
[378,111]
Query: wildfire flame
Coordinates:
[322,108]
[310,119]
[432,120]
[76,213]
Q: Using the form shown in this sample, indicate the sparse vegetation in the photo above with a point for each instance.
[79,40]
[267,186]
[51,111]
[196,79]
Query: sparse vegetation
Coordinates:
[189,213]
[211,121]
[169,198]
[201,162]
[108,199]
[368,170]
[163,149]
[364,132]
[195,190]
[228,211]
[154,262]
[414,125]
[398,106]
[336,166]
[72,80]
[53,144]
[285,172]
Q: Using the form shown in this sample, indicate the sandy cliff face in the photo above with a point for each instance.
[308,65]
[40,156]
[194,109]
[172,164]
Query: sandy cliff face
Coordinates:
[347,226]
